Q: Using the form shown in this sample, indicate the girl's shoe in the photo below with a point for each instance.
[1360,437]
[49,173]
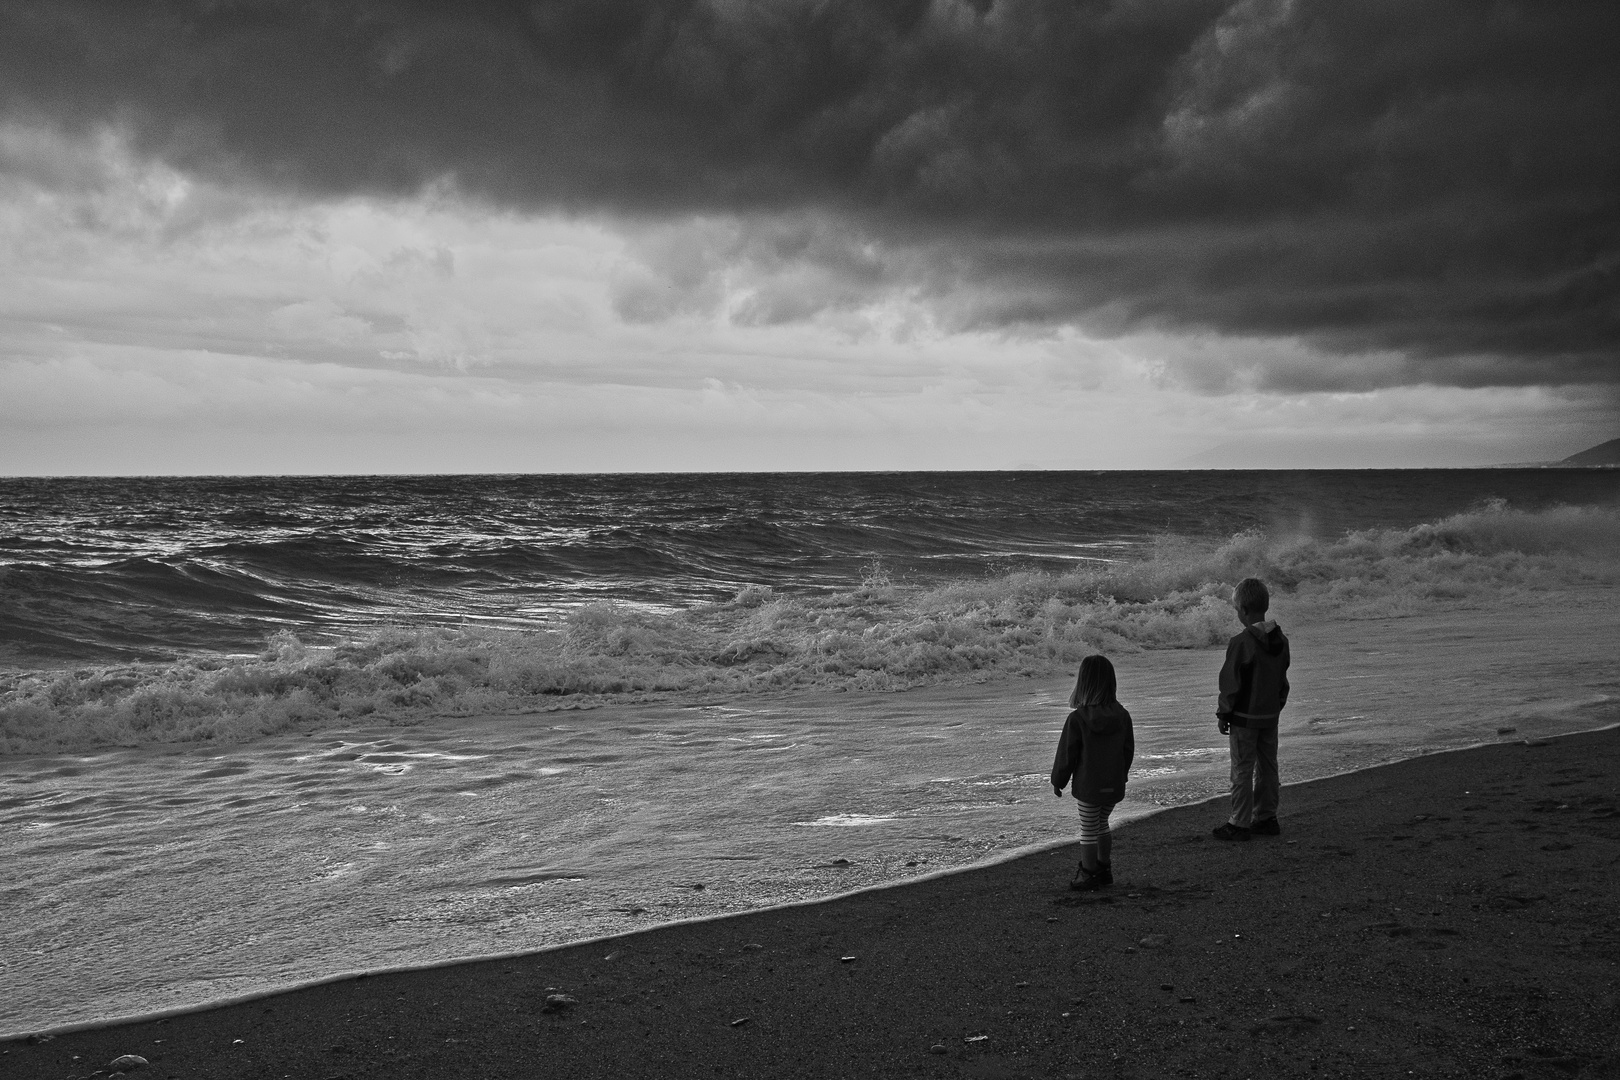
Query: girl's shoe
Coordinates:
[1106,872]
[1087,880]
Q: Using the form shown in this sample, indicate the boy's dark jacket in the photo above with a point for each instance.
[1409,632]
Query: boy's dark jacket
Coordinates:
[1254,679]
[1096,751]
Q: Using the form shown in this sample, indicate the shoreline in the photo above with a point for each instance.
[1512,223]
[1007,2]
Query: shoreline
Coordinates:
[607,939]
[251,902]
[922,950]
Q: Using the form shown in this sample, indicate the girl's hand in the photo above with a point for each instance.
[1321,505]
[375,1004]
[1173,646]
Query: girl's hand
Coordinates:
[1058,792]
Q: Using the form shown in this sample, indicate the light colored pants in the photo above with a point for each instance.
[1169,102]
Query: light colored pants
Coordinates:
[1254,775]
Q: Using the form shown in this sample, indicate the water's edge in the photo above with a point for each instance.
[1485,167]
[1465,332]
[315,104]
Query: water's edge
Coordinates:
[995,860]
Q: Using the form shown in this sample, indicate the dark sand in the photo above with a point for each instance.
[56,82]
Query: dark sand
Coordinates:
[1455,915]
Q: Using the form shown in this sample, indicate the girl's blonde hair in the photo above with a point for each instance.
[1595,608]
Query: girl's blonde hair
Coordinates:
[1096,684]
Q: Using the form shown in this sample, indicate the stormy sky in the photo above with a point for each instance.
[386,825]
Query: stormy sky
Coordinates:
[261,236]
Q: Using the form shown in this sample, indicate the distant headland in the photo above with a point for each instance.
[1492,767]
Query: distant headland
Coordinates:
[1602,456]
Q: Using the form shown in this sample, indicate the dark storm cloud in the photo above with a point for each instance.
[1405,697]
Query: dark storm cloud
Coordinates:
[1437,180]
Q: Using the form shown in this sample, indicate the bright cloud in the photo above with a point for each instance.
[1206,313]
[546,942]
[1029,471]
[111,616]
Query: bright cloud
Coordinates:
[152,321]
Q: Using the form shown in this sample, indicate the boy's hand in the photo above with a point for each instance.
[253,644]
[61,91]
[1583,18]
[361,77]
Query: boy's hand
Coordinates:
[1223,724]
[1058,792]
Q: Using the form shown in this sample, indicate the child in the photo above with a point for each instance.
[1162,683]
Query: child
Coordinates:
[1254,689]
[1095,751]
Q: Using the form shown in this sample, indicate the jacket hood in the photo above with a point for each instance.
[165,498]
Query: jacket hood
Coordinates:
[1270,635]
[1102,719]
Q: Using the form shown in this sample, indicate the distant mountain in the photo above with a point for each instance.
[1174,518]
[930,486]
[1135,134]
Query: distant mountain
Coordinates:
[1605,454]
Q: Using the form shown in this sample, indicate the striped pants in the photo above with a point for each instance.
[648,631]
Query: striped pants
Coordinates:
[1093,822]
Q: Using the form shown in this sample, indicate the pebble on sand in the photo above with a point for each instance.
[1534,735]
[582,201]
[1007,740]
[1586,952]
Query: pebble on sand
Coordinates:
[1287,1023]
[126,1063]
[1155,941]
[938,1048]
[559,1002]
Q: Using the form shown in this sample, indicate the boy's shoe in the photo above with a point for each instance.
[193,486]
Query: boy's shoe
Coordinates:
[1230,831]
[1268,827]
[1087,880]
[1106,872]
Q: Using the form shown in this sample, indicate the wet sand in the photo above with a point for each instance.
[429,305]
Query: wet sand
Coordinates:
[170,876]
[1452,915]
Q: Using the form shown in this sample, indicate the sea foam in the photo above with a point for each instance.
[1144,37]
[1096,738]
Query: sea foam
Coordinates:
[879,634]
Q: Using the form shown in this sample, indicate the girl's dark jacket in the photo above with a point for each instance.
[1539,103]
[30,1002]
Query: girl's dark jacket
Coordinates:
[1095,751]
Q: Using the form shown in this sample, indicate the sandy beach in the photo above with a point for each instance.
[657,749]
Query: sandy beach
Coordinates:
[168,877]
[1451,915]
[560,540]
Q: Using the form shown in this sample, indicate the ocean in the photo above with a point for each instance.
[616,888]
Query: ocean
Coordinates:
[261,731]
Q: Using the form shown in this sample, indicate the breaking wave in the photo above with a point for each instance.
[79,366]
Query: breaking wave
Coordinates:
[879,635]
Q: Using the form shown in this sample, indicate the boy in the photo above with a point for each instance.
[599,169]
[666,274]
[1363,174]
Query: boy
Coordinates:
[1254,689]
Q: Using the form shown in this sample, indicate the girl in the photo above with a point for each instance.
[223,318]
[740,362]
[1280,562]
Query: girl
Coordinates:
[1095,751]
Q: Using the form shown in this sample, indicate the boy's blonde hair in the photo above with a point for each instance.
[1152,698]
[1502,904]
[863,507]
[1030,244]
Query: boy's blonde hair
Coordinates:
[1251,594]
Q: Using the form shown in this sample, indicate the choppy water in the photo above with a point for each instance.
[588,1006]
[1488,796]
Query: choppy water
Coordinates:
[147,569]
[196,862]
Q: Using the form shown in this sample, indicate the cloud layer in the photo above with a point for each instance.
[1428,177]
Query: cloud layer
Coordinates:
[155,323]
[1431,192]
